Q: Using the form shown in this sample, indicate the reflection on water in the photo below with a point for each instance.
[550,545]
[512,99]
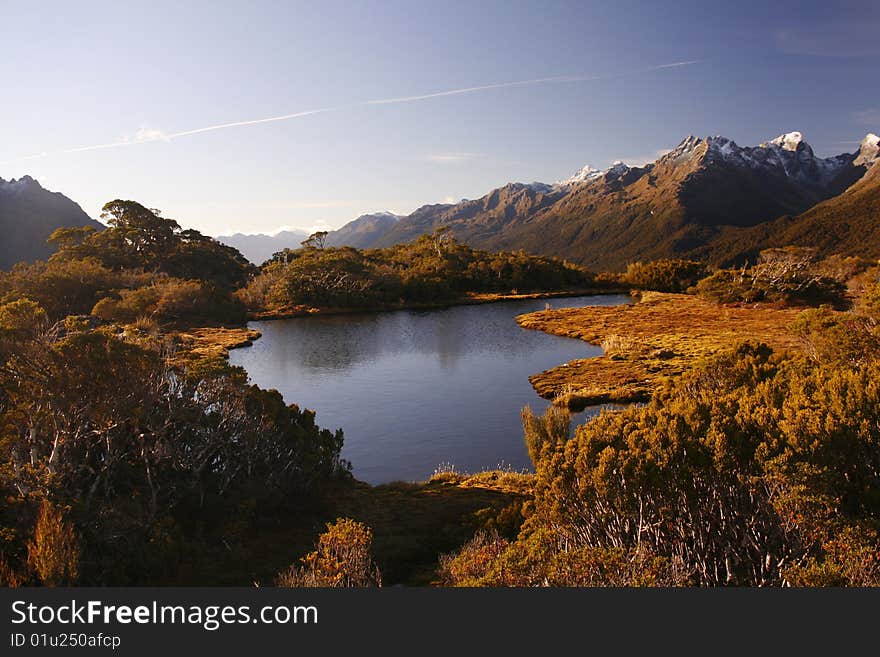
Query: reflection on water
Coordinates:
[414,389]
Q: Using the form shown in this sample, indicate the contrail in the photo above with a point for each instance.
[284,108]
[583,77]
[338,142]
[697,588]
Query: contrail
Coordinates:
[523,83]
[156,135]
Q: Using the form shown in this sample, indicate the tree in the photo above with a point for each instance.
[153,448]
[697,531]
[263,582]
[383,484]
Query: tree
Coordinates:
[440,238]
[136,446]
[316,240]
[140,238]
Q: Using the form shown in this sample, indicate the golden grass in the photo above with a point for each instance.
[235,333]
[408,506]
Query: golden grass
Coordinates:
[660,336]
[212,342]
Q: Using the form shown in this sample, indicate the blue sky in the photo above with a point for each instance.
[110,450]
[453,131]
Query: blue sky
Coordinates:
[128,74]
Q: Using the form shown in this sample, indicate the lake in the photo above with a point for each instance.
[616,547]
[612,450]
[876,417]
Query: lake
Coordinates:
[416,389]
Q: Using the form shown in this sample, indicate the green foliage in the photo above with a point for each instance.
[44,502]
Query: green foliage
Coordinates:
[433,268]
[140,238]
[846,338]
[172,301]
[141,265]
[342,559]
[138,448]
[66,287]
[23,315]
[870,302]
[790,275]
[545,432]
[664,275]
[755,469]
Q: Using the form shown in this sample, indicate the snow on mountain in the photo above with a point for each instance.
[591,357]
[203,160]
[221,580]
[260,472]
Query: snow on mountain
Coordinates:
[869,151]
[585,174]
[789,141]
[788,154]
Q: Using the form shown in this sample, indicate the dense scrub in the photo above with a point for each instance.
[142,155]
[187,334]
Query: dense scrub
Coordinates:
[757,468]
[143,264]
[119,459]
[664,275]
[790,275]
[433,268]
[134,449]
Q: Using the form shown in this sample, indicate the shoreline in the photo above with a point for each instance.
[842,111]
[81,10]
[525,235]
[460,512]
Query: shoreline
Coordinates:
[468,300]
[218,341]
[660,336]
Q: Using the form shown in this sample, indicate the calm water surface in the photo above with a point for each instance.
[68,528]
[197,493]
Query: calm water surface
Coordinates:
[415,389]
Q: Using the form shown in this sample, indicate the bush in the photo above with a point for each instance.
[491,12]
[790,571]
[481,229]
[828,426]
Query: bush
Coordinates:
[838,338]
[342,559]
[790,276]
[433,268]
[53,554]
[137,449]
[172,301]
[755,469]
[664,275]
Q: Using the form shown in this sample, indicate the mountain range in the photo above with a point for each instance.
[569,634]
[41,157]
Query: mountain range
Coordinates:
[28,215]
[707,198]
[361,233]
[700,199]
[260,247]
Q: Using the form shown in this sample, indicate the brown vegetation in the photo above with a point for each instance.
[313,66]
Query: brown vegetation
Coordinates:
[215,341]
[660,336]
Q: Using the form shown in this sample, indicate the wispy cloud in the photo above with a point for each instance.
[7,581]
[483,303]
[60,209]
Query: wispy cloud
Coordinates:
[451,158]
[869,116]
[148,135]
[555,79]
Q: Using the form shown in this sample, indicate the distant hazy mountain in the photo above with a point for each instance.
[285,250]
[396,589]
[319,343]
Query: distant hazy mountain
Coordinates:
[363,231]
[683,204]
[28,215]
[259,248]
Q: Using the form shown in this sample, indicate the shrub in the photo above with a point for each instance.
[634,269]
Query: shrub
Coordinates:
[137,447]
[53,554]
[790,276]
[433,268]
[755,469]
[172,301]
[471,565]
[664,275]
[342,558]
[838,338]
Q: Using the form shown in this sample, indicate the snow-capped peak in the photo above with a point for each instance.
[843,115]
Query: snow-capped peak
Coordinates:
[588,174]
[617,168]
[585,174]
[789,141]
[869,150]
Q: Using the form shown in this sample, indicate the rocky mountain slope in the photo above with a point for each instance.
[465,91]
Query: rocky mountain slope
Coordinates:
[28,215]
[848,223]
[363,231]
[683,204]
